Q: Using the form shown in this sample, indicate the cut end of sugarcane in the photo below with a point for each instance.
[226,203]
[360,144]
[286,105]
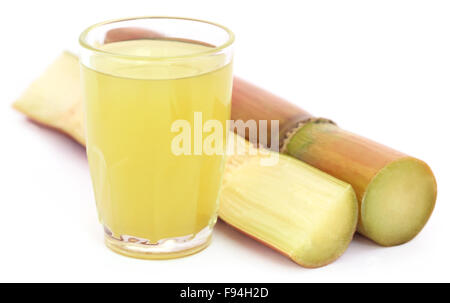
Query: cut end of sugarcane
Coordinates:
[397,193]
[54,99]
[292,207]
[398,202]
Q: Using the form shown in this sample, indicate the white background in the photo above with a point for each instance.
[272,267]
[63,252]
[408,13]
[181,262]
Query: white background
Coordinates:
[378,68]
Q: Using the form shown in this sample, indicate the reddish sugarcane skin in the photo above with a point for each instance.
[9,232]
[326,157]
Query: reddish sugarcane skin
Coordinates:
[250,102]
[130,33]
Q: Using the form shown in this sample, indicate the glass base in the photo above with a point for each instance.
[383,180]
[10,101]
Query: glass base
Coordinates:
[165,249]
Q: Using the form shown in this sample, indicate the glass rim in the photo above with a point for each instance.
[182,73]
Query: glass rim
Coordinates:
[86,45]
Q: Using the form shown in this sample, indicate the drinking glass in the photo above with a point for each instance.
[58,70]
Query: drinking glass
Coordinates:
[157,95]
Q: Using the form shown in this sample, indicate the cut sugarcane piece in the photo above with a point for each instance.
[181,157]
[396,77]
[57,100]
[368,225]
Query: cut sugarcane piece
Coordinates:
[391,214]
[292,207]
[54,99]
[397,193]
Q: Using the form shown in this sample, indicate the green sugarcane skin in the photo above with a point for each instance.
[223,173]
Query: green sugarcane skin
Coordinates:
[396,193]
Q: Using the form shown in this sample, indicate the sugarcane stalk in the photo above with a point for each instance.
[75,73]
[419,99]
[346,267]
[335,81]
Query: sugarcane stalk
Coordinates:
[396,192]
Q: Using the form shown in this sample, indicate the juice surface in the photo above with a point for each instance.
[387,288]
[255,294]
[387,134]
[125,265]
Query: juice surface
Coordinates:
[142,189]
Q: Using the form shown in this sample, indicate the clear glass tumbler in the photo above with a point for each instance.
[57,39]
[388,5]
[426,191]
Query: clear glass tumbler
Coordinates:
[157,94]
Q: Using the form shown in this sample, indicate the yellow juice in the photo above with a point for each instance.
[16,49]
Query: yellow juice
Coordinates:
[144,192]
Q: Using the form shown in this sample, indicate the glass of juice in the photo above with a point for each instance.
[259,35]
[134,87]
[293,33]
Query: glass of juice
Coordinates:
[157,95]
